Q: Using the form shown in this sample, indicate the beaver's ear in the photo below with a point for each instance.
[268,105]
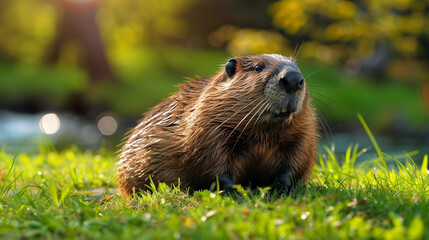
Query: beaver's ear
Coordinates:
[231,67]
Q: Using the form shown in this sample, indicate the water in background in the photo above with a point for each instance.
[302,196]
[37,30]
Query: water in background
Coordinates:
[27,131]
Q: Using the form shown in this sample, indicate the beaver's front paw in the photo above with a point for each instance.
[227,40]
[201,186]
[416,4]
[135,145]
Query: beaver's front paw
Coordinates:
[283,184]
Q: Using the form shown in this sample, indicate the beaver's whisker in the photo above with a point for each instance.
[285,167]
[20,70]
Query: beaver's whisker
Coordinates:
[243,119]
[265,107]
[296,54]
[321,95]
[258,112]
[220,114]
[245,126]
[324,124]
[318,87]
[238,111]
[320,103]
[312,73]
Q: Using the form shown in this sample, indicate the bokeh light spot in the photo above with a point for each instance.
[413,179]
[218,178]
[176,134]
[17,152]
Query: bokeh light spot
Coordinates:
[49,123]
[107,125]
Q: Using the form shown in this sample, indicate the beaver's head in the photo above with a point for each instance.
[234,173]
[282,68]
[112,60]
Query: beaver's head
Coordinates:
[274,81]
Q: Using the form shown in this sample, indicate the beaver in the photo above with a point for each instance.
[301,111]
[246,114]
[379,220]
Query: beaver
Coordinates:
[251,124]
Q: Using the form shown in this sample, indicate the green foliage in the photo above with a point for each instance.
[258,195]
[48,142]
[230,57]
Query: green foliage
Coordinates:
[49,195]
[142,22]
[339,29]
[25,35]
[125,26]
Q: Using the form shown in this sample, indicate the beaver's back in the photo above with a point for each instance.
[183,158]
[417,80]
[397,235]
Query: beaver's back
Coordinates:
[153,148]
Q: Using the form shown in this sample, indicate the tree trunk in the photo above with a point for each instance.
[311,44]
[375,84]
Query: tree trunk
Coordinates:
[78,24]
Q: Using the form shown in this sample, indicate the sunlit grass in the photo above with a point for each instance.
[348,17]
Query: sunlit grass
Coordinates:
[48,196]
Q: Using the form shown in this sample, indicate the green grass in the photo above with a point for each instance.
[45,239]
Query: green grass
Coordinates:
[48,196]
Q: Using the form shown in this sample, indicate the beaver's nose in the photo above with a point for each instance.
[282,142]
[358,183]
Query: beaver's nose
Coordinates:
[292,81]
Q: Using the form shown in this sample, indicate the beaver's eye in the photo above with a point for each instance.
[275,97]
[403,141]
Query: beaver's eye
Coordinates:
[258,69]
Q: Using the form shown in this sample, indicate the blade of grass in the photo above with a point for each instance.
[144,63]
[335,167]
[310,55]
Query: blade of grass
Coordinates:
[424,167]
[65,192]
[10,169]
[5,190]
[53,193]
[371,136]
[347,159]
[333,163]
[106,190]
[322,162]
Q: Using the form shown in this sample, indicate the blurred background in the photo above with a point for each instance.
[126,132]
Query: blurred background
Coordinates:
[81,72]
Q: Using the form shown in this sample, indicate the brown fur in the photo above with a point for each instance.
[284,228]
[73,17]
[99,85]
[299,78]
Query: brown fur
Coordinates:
[220,125]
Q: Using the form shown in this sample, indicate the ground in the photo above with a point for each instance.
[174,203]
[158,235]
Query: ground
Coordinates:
[49,195]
